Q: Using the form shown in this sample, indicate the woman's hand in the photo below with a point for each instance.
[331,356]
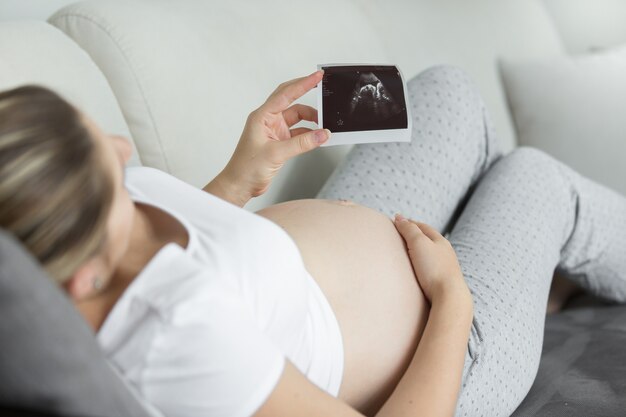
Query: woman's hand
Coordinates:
[267,141]
[433,258]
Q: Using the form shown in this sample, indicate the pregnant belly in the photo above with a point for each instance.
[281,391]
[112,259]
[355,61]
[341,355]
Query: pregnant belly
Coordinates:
[360,262]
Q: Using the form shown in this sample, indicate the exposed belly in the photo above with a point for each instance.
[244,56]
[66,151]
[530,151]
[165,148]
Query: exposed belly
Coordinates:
[360,262]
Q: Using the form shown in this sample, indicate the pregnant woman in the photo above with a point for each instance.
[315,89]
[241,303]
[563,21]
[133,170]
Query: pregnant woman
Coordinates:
[317,307]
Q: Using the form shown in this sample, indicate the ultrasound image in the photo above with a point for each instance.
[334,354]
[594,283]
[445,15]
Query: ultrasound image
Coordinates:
[357,98]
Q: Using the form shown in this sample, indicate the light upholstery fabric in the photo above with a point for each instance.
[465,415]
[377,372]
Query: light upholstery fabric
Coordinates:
[188,72]
[30,9]
[50,360]
[589,25]
[417,34]
[573,108]
[36,52]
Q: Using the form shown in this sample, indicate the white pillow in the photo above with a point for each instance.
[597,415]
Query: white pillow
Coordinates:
[573,108]
[588,25]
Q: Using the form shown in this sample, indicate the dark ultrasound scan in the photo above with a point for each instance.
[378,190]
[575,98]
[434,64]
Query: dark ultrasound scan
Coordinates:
[356,98]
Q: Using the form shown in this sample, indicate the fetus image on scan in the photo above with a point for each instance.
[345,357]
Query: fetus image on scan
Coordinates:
[371,101]
[363,97]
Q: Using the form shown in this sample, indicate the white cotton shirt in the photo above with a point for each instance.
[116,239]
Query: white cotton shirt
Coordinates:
[205,330]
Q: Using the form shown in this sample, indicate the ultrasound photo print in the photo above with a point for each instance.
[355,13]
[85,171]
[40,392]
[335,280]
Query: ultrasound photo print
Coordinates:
[357,98]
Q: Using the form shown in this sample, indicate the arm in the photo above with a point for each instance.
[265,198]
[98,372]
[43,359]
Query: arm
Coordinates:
[267,142]
[430,385]
[228,189]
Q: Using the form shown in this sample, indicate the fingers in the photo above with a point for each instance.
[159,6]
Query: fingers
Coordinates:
[303,142]
[408,229]
[299,112]
[408,225]
[289,91]
[430,231]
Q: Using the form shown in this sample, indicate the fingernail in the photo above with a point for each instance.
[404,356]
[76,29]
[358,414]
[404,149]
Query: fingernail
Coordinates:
[321,135]
[400,217]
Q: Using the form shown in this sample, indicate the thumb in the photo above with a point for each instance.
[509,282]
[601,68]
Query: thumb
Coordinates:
[304,142]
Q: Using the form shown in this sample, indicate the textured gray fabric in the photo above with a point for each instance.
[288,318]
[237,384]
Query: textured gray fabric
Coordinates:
[582,372]
[49,359]
[452,144]
[519,217]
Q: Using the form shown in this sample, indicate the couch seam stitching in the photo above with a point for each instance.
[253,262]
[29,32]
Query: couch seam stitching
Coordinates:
[125,57]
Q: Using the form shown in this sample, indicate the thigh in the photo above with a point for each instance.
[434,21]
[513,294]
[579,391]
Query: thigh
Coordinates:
[452,144]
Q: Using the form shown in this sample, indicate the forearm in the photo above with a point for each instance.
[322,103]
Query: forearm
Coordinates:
[430,386]
[228,189]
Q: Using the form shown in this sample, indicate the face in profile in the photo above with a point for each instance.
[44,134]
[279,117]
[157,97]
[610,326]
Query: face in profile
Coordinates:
[114,151]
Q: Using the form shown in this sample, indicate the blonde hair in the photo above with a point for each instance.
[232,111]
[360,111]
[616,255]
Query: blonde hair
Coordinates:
[55,194]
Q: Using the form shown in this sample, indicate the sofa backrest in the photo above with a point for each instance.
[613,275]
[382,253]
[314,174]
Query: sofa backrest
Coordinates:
[187,73]
[33,52]
[470,34]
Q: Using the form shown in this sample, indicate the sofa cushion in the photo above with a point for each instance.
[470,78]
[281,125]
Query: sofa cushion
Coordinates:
[582,366]
[573,108]
[50,360]
[36,52]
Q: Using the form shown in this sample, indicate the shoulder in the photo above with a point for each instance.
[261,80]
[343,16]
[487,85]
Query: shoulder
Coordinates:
[147,176]
[162,187]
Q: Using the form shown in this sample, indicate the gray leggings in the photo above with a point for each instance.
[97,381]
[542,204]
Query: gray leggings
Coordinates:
[511,219]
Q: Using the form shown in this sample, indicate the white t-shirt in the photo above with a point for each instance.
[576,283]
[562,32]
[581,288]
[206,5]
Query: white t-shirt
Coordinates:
[204,331]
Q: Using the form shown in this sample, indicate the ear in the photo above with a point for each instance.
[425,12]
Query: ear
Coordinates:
[80,285]
[123,147]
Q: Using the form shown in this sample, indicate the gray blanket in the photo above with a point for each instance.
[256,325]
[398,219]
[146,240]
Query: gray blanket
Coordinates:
[583,365]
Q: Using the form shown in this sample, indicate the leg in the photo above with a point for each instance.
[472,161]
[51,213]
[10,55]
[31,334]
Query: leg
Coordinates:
[452,144]
[528,214]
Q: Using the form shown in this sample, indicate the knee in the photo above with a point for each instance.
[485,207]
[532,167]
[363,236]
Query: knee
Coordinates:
[530,165]
[446,76]
[449,93]
[530,158]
